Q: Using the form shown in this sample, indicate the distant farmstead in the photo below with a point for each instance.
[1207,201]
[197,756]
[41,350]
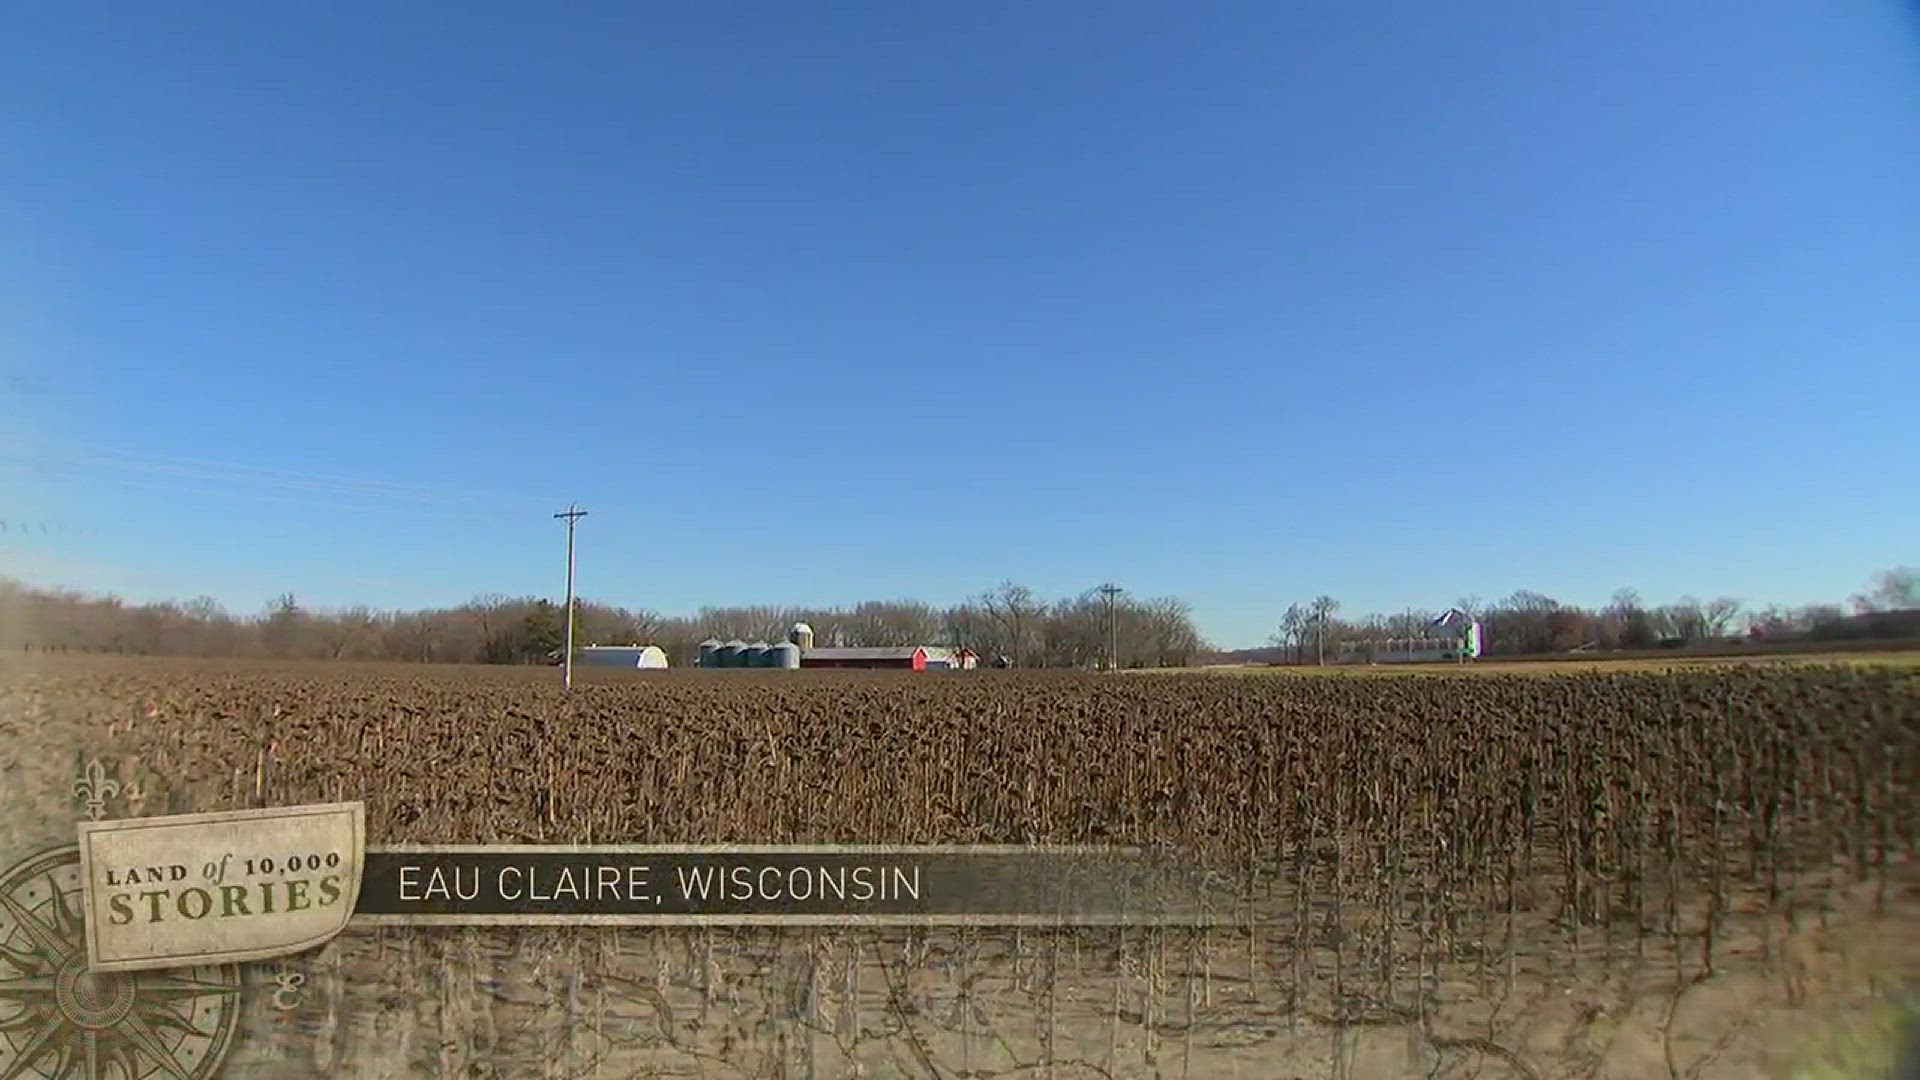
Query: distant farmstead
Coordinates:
[798,651]
[1454,636]
[903,658]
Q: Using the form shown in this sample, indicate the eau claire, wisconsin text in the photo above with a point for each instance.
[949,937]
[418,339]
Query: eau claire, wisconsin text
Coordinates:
[634,883]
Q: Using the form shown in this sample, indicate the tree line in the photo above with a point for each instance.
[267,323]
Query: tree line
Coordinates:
[1008,621]
[1531,623]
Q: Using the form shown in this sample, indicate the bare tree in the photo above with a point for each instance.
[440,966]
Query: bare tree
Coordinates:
[1892,590]
[1409,624]
[894,623]
[759,623]
[1015,612]
[1171,639]
[353,634]
[1685,619]
[1294,623]
[1073,632]
[283,628]
[1719,615]
[1526,622]
[968,626]
[1626,622]
[1323,609]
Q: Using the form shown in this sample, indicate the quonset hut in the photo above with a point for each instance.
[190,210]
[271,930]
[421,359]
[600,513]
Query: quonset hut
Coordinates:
[623,656]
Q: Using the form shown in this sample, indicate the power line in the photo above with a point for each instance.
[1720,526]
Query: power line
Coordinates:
[218,490]
[51,460]
[22,528]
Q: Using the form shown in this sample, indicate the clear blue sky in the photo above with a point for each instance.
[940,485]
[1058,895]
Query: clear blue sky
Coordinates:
[816,303]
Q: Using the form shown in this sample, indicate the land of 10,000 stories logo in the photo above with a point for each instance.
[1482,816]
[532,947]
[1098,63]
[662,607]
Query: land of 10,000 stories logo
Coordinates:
[76,1001]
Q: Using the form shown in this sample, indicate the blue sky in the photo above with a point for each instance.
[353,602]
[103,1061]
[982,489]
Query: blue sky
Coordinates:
[818,303]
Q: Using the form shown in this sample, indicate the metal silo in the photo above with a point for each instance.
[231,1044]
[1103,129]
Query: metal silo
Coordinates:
[756,655]
[785,655]
[802,636]
[733,654]
[710,653]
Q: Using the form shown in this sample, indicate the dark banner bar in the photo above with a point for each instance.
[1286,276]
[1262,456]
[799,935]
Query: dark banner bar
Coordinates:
[639,885]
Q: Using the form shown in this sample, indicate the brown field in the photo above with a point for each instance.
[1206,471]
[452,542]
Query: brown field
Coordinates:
[1613,873]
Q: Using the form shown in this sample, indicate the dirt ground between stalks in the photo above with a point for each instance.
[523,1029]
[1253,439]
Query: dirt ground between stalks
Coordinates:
[801,1004]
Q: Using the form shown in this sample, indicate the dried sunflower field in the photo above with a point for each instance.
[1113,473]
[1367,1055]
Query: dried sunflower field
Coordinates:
[1582,874]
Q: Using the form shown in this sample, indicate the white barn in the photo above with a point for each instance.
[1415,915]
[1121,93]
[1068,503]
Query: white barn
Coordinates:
[623,656]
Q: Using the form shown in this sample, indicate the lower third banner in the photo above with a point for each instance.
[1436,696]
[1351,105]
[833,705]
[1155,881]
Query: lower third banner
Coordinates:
[871,885]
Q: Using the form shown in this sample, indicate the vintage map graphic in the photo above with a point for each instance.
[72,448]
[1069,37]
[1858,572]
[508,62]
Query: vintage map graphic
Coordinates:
[59,1020]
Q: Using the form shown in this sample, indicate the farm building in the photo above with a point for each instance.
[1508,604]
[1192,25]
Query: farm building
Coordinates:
[739,654]
[623,656]
[1453,636]
[902,658]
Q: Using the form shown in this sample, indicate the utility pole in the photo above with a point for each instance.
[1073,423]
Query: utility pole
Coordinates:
[573,515]
[1111,591]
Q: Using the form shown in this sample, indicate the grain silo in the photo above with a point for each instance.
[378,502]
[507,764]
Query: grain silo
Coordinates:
[710,653]
[756,655]
[733,654]
[785,656]
[802,636]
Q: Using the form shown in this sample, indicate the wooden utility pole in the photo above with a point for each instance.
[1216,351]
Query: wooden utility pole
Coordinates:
[1112,591]
[573,515]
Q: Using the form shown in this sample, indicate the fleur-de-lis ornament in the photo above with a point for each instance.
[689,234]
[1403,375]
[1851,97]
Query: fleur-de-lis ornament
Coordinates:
[94,788]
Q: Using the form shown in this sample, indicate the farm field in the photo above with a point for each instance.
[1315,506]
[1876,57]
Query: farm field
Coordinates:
[1614,873]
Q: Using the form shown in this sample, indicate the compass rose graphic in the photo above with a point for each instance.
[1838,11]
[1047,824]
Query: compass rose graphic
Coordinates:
[58,1020]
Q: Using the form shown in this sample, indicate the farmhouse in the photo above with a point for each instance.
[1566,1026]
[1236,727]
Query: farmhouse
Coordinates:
[940,659]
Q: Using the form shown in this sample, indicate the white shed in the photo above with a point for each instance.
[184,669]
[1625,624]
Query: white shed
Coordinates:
[623,656]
